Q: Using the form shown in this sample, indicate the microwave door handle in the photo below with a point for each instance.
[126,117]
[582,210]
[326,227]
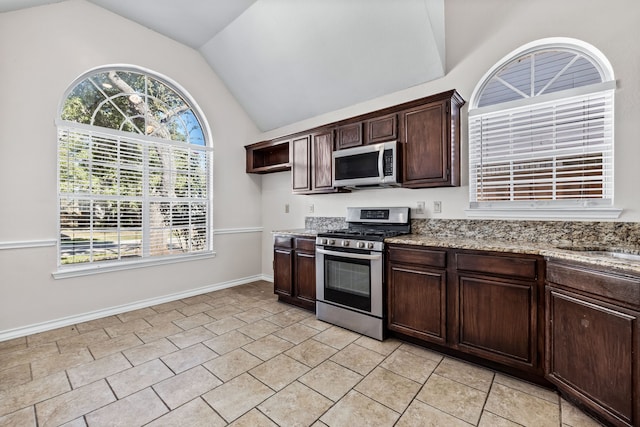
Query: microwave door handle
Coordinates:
[381,163]
[349,254]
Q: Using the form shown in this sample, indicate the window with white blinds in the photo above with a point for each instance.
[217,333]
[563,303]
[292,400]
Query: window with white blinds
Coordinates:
[541,132]
[134,171]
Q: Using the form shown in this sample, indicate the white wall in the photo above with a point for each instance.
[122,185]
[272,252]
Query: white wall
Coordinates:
[42,51]
[478,34]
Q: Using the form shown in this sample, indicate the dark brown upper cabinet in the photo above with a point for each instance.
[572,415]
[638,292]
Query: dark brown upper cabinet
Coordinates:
[349,136]
[267,157]
[312,163]
[381,129]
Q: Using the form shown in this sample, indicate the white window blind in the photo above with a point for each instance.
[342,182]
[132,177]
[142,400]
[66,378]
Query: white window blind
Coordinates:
[541,132]
[127,198]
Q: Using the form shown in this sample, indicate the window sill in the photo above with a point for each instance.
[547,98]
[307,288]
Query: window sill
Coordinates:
[87,270]
[545,213]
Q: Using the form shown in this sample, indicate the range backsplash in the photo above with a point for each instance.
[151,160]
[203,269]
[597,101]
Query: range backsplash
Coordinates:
[584,233]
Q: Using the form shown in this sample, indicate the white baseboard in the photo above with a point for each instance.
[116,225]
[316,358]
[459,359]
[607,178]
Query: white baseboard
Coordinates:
[85,317]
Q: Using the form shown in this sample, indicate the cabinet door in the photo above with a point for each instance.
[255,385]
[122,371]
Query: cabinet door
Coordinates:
[417,302]
[381,129]
[322,161]
[300,166]
[349,136]
[497,319]
[305,273]
[282,271]
[590,354]
[426,151]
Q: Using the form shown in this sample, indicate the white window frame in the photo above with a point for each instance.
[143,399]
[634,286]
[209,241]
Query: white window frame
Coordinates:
[89,132]
[600,208]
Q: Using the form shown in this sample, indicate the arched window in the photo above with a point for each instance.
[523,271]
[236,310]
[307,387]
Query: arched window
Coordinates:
[134,170]
[541,134]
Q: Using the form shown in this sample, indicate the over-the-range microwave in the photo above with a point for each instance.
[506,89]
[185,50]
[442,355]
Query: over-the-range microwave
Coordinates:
[366,166]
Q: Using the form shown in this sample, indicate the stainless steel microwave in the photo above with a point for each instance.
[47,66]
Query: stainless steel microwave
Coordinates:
[366,166]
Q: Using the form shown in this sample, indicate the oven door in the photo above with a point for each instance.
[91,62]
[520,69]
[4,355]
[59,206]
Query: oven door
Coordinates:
[349,279]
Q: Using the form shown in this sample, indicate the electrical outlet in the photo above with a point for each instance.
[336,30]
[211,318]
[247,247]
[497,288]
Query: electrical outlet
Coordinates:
[437,207]
[311,208]
[286,208]
[420,208]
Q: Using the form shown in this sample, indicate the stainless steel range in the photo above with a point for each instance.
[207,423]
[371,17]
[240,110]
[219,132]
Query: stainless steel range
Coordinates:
[350,265]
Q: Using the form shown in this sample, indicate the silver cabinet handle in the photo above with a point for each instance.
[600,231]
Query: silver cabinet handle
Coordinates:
[349,254]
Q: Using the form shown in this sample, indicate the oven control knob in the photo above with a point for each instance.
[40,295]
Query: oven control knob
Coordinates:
[370,245]
[332,242]
[323,241]
[345,243]
[360,245]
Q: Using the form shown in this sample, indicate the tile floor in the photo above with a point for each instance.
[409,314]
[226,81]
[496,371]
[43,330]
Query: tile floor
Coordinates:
[238,357]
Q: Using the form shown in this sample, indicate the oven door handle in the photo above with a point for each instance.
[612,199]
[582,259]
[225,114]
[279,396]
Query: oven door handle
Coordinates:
[349,254]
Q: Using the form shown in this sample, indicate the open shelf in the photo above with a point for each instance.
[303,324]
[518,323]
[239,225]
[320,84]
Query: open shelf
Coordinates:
[268,156]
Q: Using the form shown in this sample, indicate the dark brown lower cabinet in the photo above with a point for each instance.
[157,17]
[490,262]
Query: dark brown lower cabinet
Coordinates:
[593,340]
[294,271]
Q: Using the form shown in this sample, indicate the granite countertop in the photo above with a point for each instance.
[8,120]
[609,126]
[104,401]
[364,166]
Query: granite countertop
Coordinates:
[532,248]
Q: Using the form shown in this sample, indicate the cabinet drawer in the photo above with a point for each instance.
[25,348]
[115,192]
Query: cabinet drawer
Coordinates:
[308,245]
[433,258]
[498,265]
[283,242]
[622,289]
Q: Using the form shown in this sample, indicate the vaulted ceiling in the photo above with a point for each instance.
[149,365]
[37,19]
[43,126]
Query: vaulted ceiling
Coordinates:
[288,60]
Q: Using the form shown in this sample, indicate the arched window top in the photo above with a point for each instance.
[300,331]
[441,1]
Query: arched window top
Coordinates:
[131,99]
[541,68]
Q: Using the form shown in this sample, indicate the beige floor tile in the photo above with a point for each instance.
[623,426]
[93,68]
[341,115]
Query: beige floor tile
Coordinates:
[182,388]
[59,362]
[234,398]
[97,370]
[146,352]
[280,371]
[224,325]
[13,345]
[319,424]
[189,357]
[193,321]
[356,409]
[259,329]
[289,317]
[77,342]
[465,373]
[311,352]
[422,352]
[420,414]
[385,347]
[15,376]
[167,316]
[526,387]
[157,332]
[26,355]
[114,345]
[487,419]
[296,333]
[223,311]
[358,358]
[574,417]
[101,323]
[33,392]
[134,410]
[195,300]
[78,422]
[390,389]
[274,307]
[168,306]
[454,398]
[268,347]
[253,418]
[193,414]
[409,365]
[192,336]
[232,364]
[336,337]
[331,380]
[23,418]
[252,315]
[52,335]
[521,407]
[136,314]
[296,406]
[227,342]
[139,377]
[73,404]
[193,309]
[127,328]
[314,323]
